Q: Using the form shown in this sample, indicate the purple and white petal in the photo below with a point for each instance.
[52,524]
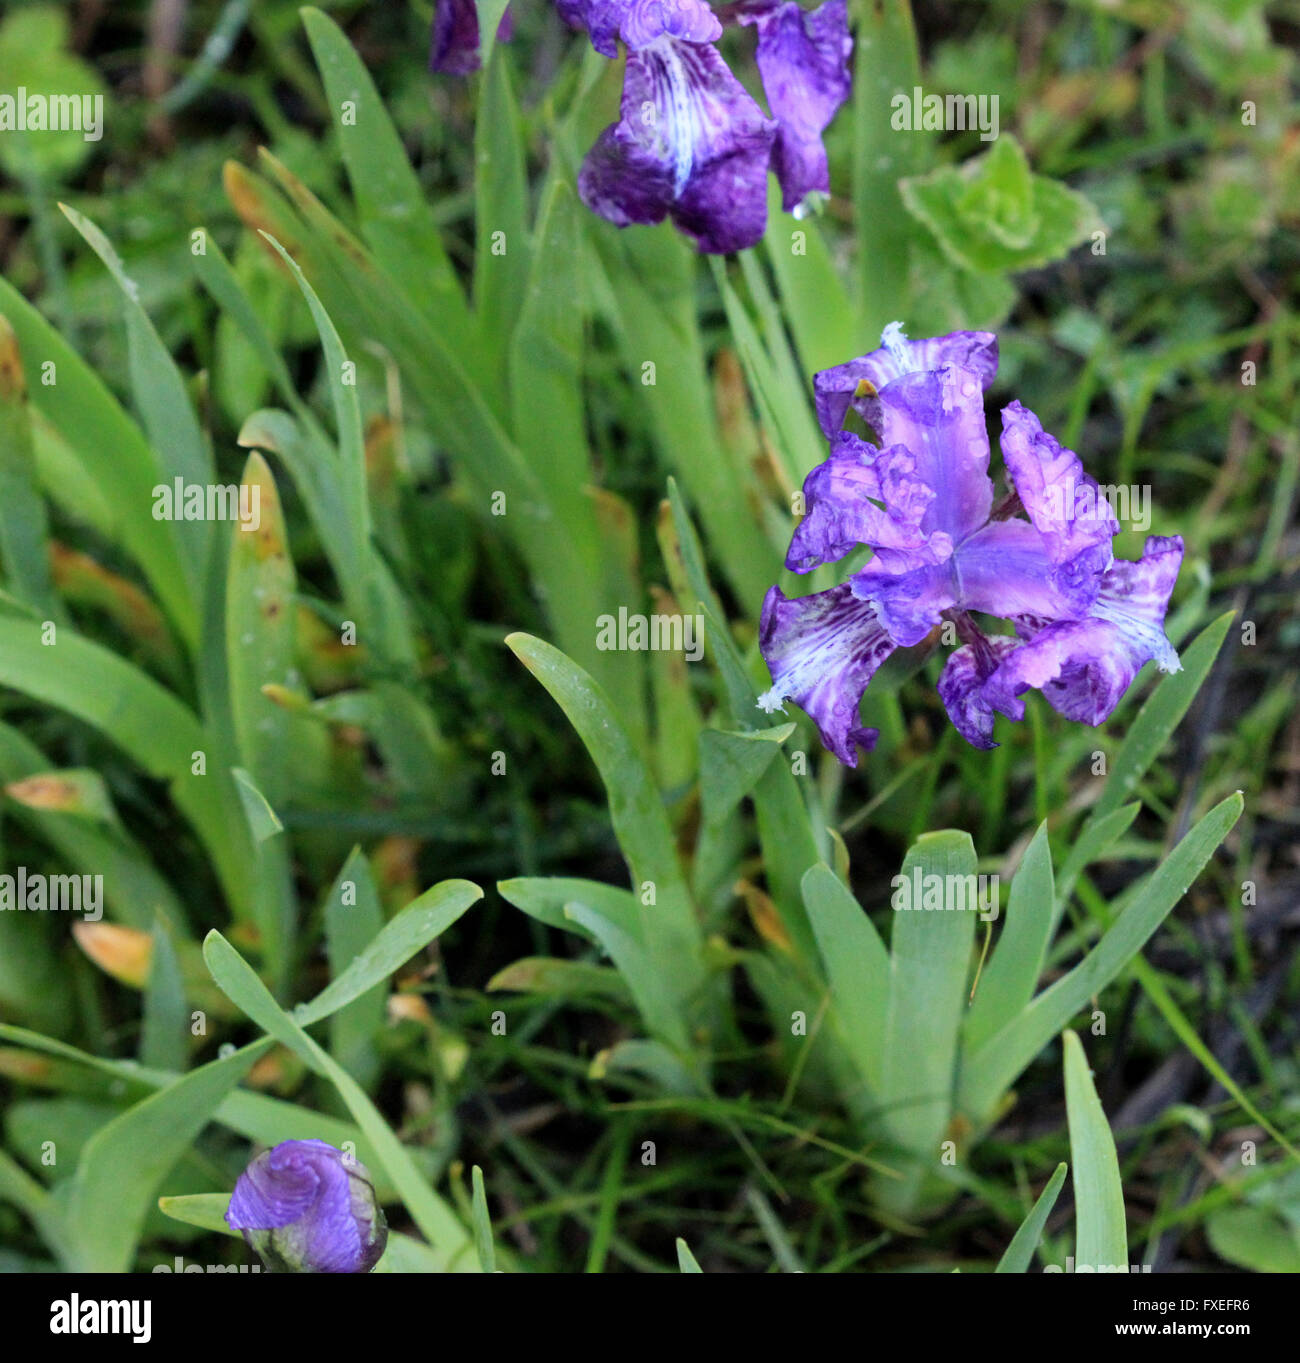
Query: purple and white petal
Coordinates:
[1005,570]
[908,603]
[803,59]
[1064,503]
[857,382]
[961,687]
[690,143]
[1084,667]
[822,650]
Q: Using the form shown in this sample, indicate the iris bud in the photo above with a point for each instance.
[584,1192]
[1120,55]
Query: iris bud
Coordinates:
[306,1207]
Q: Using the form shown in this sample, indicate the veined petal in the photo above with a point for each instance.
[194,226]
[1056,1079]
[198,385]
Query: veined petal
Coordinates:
[692,21]
[822,650]
[803,58]
[908,602]
[939,416]
[1005,569]
[961,687]
[1063,502]
[1084,667]
[690,143]
[857,382]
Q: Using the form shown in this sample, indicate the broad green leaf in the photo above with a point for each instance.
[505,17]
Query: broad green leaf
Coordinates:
[1020,1252]
[731,764]
[121,1166]
[431,1214]
[1101,1235]
[1008,982]
[685,1259]
[1254,1238]
[991,1068]
[930,958]
[857,967]
[411,930]
[561,978]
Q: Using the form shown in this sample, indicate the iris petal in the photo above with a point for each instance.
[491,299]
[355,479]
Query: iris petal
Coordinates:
[690,143]
[961,687]
[803,59]
[835,390]
[1083,667]
[822,651]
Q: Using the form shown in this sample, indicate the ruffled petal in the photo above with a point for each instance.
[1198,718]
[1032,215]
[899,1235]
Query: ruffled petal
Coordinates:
[961,687]
[690,143]
[908,603]
[1063,502]
[857,382]
[691,21]
[1005,569]
[803,59]
[822,650]
[939,416]
[1084,667]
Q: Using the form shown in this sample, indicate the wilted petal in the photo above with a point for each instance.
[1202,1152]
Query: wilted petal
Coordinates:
[690,143]
[1063,502]
[961,687]
[857,382]
[453,50]
[803,58]
[908,603]
[822,650]
[1084,667]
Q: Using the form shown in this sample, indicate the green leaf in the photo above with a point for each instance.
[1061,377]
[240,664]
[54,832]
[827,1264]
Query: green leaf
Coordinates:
[205,1210]
[1020,1252]
[731,765]
[121,1166]
[409,931]
[669,930]
[930,957]
[685,1259]
[857,969]
[1253,1238]
[992,215]
[1101,1235]
[544,898]
[239,982]
[1093,841]
[560,978]
[24,525]
[164,1038]
[354,918]
[1159,717]
[994,1065]
[1007,984]
[487,1256]
[395,215]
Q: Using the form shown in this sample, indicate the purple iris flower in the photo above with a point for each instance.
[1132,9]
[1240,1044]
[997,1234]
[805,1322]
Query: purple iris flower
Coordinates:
[306,1207]
[922,501]
[690,143]
[453,48]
